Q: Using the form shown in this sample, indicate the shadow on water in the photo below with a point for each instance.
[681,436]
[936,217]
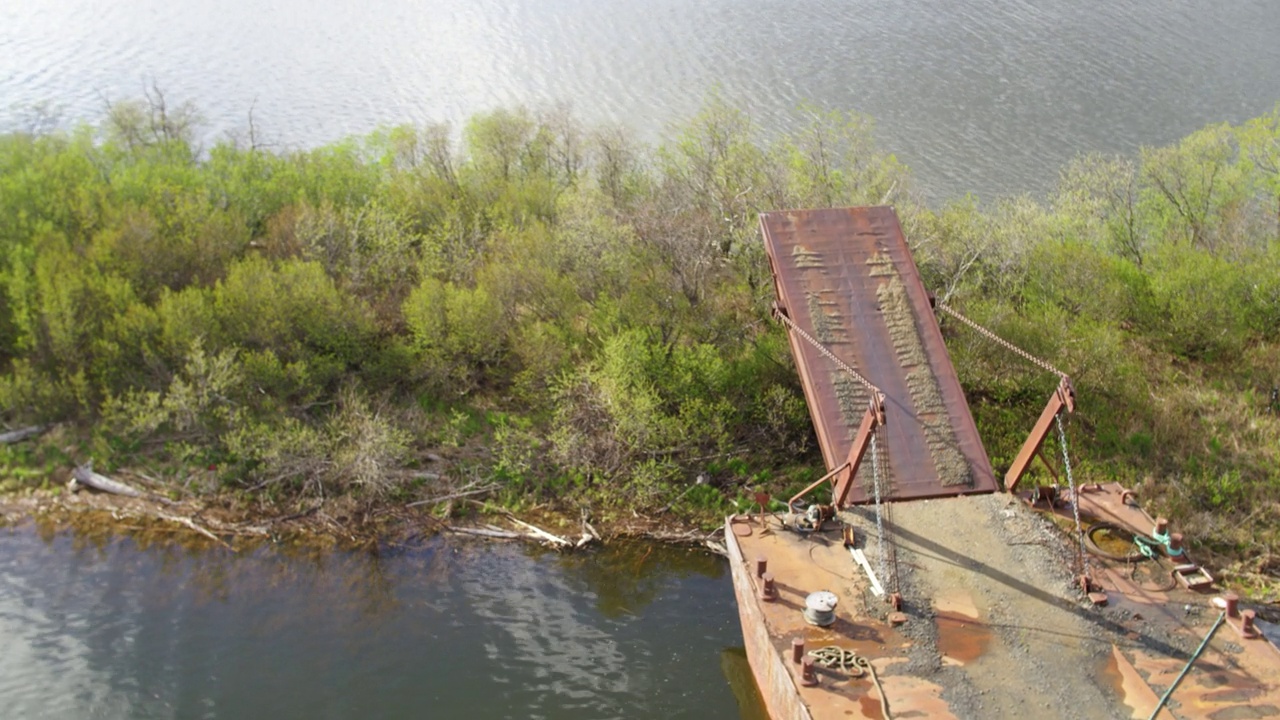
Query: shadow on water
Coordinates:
[737,671]
[627,576]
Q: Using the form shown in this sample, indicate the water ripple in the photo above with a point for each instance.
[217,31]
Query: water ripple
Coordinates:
[977,95]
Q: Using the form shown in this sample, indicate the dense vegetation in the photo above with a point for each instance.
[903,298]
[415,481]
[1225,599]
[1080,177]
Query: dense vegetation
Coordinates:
[582,318]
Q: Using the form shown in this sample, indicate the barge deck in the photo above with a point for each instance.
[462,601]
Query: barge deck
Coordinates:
[927,593]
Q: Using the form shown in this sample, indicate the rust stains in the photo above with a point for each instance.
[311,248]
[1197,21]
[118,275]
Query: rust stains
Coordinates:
[961,640]
[846,277]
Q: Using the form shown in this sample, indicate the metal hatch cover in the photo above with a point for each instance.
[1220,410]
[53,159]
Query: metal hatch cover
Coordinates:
[847,278]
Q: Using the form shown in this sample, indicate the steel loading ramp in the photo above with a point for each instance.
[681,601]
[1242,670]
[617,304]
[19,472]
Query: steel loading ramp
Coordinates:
[846,277]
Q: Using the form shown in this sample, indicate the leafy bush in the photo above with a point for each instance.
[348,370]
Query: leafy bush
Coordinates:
[596,310]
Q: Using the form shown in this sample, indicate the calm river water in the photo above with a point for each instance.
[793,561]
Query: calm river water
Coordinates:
[441,630]
[985,96]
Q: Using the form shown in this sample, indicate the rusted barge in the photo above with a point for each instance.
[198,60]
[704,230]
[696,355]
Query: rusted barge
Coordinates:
[915,587]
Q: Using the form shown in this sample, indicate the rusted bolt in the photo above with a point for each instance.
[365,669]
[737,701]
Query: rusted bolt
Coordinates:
[768,590]
[1086,583]
[895,601]
[808,676]
[1162,526]
[1247,628]
[1233,604]
[797,650]
[1175,544]
[761,564]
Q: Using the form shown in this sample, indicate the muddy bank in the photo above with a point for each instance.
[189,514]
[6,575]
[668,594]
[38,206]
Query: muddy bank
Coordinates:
[338,523]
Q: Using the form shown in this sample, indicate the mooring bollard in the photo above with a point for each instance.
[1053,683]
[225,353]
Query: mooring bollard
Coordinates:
[1233,604]
[768,591]
[808,675]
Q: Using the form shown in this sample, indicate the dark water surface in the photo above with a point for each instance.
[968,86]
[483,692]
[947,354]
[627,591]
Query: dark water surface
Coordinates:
[443,630]
[986,96]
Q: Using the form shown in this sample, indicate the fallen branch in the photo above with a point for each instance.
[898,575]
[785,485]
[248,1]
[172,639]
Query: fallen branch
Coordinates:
[453,496]
[554,539]
[194,526]
[691,536]
[21,434]
[238,529]
[588,533]
[293,516]
[84,475]
[499,534]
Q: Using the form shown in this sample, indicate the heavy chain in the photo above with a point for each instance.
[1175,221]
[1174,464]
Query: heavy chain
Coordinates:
[1001,341]
[827,353]
[1075,501]
[875,483]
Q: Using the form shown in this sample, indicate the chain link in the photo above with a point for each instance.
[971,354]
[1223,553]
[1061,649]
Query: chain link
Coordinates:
[875,447]
[875,483]
[1075,500]
[827,353]
[1001,341]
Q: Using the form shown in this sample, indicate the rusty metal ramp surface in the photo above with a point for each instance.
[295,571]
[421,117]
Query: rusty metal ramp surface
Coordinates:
[847,278]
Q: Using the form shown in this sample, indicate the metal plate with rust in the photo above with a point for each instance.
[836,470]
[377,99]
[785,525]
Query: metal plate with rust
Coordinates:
[847,278]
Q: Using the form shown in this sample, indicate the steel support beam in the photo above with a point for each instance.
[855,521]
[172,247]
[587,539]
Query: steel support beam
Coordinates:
[1063,398]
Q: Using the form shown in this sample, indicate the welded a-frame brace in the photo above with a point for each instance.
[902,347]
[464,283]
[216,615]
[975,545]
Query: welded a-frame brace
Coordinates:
[1062,400]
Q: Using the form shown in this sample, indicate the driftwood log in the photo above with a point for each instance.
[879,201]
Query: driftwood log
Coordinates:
[540,533]
[84,475]
[13,436]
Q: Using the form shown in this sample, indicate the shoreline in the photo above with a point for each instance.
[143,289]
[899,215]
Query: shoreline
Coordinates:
[341,524]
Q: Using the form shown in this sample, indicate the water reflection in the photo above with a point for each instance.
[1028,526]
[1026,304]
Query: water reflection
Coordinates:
[99,627]
[629,576]
[737,671]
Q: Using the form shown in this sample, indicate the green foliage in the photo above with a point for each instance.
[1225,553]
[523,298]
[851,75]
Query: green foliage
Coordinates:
[199,402]
[579,315]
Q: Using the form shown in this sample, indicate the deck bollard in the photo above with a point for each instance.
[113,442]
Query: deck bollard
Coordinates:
[1247,628]
[1233,604]
[768,590]
[808,675]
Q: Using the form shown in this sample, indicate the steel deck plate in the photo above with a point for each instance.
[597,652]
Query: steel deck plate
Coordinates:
[847,278]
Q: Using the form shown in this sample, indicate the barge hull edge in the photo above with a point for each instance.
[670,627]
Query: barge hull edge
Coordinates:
[774,680]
